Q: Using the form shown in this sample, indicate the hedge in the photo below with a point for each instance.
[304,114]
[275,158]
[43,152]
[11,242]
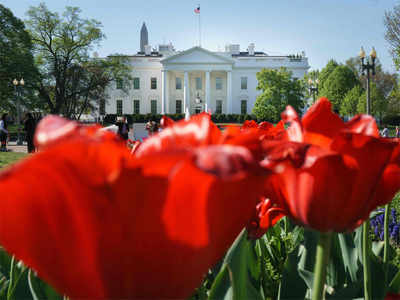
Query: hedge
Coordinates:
[216,118]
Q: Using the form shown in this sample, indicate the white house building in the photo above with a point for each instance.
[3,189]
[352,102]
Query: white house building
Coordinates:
[168,81]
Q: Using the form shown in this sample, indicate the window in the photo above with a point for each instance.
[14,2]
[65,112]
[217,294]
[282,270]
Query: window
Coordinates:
[243,83]
[153,83]
[102,108]
[119,84]
[243,107]
[198,83]
[218,109]
[153,107]
[218,83]
[178,108]
[136,83]
[136,106]
[119,107]
[178,84]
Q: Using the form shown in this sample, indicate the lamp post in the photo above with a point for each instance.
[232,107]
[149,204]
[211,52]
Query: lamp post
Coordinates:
[313,87]
[20,83]
[369,66]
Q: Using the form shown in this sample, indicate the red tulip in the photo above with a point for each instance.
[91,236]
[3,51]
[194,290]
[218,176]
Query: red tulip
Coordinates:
[166,122]
[97,222]
[331,174]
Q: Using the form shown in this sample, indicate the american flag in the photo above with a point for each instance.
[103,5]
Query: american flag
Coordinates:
[197,10]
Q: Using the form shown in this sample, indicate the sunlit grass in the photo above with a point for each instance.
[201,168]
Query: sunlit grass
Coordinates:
[7,158]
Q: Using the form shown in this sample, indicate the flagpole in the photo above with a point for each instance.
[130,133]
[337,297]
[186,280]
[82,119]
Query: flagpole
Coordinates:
[199,27]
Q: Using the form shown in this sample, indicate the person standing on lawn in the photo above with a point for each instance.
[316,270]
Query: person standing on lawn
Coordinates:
[29,127]
[397,132]
[123,127]
[3,132]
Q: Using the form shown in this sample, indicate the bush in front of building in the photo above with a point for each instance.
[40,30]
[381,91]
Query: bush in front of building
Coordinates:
[216,118]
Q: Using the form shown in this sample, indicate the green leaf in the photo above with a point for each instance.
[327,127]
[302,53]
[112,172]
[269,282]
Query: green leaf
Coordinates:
[292,284]
[41,290]
[349,254]
[394,286]
[234,279]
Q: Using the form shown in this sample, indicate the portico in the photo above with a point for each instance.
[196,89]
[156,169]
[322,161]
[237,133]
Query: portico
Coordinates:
[199,79]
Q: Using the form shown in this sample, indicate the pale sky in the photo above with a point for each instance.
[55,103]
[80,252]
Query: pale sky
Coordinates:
[324,29]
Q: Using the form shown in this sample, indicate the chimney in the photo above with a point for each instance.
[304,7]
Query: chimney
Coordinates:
[147,50]
[251,49]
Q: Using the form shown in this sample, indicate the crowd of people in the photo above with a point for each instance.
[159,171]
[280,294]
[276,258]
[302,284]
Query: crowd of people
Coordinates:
[29,123]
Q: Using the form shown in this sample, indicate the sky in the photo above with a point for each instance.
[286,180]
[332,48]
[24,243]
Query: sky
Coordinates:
[324,29]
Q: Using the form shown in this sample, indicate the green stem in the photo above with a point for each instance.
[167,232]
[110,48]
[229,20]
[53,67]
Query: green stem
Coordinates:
[365,251]
[321,261]
[386,249]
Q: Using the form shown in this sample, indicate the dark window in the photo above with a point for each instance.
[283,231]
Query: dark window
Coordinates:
[153,83]
[178,84]
[119,107]
[136,83]
[154,107]
[198,83]
[243,107]
[243,83]
[136,106]
[218,109]
[218,83]
[102,107]
[178,108]
[119,84]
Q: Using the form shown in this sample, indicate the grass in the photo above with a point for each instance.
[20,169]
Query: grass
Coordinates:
[7,158]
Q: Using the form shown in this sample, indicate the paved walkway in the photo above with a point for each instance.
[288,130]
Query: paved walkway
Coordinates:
[14,148]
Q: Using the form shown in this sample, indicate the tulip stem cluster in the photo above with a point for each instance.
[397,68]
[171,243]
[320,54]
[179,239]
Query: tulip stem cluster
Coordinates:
[366,245]
[321,261]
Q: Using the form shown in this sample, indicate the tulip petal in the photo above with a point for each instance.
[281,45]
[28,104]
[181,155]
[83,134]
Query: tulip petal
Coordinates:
[197,131]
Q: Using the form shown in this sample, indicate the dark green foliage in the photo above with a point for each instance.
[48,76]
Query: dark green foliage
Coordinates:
[16,62]
[350,101]
[339,82]
[325,72]
[279,90]
[378,102]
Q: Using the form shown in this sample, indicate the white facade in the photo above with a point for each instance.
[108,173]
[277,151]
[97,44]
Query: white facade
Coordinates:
[220,82]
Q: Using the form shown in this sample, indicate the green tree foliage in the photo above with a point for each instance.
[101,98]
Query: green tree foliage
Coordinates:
[70,79]
[350,101]
[338,83]
[378,102]
[16,61]
[279,89]
[392,33]
[384,81]
[325,72]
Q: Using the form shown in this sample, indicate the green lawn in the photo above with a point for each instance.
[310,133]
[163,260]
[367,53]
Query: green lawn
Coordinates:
[7,158]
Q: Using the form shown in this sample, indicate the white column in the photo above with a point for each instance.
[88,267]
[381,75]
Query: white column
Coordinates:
[207,106]
[229,92]
[164,95]
[186,94]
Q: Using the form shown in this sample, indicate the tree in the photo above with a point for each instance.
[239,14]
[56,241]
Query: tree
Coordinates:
[69,77]
[338,83]
[378,102]
[16,61]
[350,101]
[392,33]
[325,72]
[279,89]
